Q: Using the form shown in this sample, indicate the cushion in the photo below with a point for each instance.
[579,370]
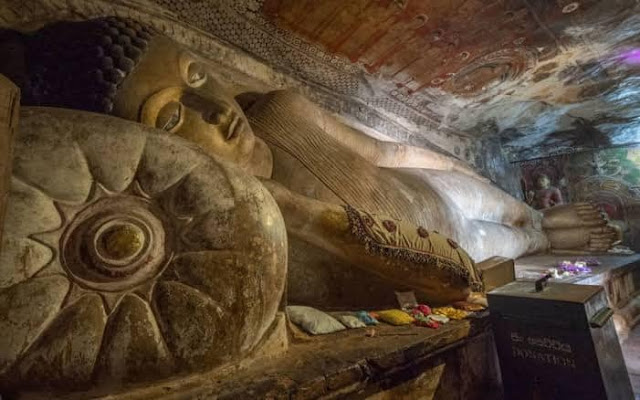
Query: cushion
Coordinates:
[313,321]
[450,312]
[350,321]
[395,317]
[398,239]
[367,318]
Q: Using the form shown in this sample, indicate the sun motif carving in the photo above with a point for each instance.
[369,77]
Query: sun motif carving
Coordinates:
[129,256]
[113,244]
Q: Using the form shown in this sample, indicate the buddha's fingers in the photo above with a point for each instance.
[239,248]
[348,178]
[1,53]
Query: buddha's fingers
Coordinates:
[600,242]
[585,208]
[608,238]
[601,229]
[594,224]
[589,213]
[591,216]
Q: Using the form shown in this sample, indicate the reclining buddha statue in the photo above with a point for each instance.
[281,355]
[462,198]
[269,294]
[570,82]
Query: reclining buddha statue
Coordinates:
[406,216]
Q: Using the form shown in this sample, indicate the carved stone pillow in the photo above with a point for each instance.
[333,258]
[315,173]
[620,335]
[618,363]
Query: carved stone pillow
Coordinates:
[128,256]
[399,240]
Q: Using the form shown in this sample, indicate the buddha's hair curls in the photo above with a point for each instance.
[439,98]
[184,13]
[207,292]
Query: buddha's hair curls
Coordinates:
[80,65]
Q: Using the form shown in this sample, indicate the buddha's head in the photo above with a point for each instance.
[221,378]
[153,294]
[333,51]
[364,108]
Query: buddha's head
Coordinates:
[120,67]
[543,182]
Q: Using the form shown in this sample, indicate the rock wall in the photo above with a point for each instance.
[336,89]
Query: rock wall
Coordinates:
[608,177]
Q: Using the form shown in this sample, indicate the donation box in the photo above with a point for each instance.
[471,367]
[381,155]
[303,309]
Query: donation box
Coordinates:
[557,341]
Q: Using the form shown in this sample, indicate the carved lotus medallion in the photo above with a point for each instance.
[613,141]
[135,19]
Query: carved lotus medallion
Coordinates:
[129,256]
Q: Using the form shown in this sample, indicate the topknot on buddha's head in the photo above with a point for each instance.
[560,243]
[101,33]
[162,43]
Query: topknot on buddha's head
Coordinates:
[80,65]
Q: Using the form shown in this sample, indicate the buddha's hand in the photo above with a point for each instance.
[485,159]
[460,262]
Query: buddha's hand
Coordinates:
[573,215]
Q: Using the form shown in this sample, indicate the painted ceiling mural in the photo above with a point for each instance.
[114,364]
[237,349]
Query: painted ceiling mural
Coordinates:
[543,76]
[465,77]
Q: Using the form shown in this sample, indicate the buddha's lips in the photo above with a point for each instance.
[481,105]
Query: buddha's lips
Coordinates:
[234,127]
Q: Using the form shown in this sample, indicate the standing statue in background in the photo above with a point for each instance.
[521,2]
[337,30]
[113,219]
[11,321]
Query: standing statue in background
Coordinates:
[545,196]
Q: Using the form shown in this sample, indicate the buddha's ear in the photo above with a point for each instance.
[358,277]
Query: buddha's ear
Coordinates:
[13,60]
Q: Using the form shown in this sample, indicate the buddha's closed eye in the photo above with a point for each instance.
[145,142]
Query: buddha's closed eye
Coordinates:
[170,116]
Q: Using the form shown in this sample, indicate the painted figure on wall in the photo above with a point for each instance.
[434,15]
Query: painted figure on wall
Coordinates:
[545,195]
[544,182]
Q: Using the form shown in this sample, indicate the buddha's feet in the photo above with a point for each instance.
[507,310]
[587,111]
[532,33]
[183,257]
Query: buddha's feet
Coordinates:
[580,228]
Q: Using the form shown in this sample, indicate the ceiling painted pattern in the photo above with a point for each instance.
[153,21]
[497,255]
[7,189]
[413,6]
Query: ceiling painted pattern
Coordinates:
[466,77]
[543,76]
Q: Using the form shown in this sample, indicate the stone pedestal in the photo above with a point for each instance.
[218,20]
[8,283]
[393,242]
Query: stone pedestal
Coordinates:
[557,342]
[620,276]
[454,362]
[9,103]
[496,272]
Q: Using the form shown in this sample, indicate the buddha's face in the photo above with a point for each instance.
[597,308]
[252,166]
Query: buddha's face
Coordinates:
[543,182]
[173,90]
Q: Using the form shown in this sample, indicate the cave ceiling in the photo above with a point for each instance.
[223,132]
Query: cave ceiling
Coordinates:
[542,76]
[534,77]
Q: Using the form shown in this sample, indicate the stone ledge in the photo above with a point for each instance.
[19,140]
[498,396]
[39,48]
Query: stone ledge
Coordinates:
[349,364]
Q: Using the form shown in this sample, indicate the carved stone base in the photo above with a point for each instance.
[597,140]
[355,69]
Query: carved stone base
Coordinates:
[454,362]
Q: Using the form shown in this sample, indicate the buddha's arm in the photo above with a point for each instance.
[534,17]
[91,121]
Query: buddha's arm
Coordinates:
[378,152]
[395,155]
[487,202]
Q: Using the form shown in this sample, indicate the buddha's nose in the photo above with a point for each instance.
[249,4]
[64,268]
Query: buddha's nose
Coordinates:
[236,125]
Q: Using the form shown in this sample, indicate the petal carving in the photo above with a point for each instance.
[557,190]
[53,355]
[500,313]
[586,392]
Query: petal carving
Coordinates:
[233,283]
[205,189]
[113,158]
[20,220]
[66,352]
[46,156]
[25,310]
[165,161]
[133,349]
[196,329]
[20,259]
